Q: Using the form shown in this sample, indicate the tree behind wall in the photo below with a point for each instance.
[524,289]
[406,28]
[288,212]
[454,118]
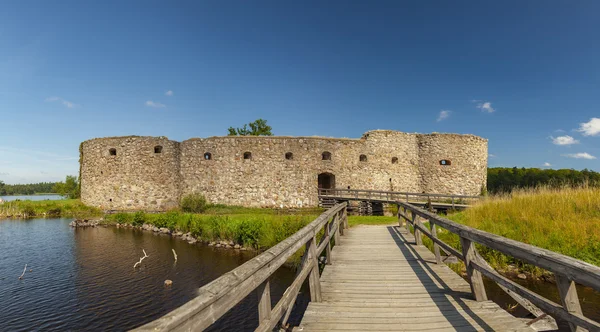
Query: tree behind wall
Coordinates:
[257,128]
[69,188]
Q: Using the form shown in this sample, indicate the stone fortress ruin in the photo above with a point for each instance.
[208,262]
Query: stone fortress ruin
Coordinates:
[153,173]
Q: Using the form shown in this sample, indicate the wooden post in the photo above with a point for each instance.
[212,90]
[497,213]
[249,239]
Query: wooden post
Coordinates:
[344,214]
[341,224]
[399,217]
[436,247]
[474,276]
[452,202]
[568,297]
[407,198]
[338,231]
[313,278]
[406,224]
[415,220]
[328,237]
[264,301]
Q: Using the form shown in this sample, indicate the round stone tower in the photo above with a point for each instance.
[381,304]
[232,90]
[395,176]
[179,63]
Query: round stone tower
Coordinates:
[130,173]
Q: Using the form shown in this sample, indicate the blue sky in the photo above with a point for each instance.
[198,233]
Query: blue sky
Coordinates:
[524,74]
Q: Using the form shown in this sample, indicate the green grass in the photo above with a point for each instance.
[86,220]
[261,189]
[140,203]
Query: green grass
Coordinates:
[68,208]
[256,228]
[565,220]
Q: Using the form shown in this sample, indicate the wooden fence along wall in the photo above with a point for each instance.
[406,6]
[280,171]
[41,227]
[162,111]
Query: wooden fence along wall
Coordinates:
[567,270]
[393,196]
[222,294]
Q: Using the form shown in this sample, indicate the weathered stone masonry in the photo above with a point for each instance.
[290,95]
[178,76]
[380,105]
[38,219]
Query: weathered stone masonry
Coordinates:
[152,173]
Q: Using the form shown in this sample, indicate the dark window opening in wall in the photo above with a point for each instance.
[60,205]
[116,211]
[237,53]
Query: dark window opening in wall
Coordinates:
[326,155]
[247,155]
[445,162]
[110,200]
[395,160]
[207,156]
[158,149]
[362,157]
[289,156]
[112,152]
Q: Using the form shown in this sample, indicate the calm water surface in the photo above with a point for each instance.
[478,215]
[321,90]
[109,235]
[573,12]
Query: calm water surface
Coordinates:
[32,197]
[83,279]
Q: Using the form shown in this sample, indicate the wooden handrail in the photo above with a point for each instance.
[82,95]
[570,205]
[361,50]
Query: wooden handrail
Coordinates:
[222,294]
[567,270]
[389,194]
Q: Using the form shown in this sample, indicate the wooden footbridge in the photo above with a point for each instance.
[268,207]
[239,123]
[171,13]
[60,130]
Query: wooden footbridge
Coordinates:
[331,197]
[382,278]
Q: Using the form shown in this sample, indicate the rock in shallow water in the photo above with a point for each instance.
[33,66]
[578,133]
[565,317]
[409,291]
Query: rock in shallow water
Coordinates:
[84,223]
[168,283]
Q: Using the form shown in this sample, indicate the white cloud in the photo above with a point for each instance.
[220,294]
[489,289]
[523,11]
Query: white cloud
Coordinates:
[66,103]
[169,93]
[151,103]
[486,107]
[590,128]
[444,114]
[491,155]
[564,140]
[580,155]
[547,164]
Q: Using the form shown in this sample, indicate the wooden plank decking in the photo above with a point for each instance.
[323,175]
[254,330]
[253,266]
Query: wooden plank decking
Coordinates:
[380,281]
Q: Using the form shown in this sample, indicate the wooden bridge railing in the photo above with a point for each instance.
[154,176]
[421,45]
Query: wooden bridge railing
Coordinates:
[567,270]
[222,294]
[395,195]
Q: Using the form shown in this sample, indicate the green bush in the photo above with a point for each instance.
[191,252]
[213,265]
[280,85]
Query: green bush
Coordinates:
[248,233]
[139,218]
[195,203]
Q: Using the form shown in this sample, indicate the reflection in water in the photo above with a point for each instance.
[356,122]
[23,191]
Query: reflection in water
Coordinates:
[83,279]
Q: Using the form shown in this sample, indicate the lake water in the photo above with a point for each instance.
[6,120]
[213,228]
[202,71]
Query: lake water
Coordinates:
[83,279]
[51,197]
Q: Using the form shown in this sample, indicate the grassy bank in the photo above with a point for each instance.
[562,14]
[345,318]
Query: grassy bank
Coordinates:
[250,227]
[68,208]
[562,220]
[254,228]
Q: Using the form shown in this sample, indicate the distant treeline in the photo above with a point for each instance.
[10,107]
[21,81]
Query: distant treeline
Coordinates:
[26,189]
[503,179]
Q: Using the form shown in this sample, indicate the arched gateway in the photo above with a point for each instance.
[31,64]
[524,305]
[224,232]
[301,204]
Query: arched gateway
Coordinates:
[326,181]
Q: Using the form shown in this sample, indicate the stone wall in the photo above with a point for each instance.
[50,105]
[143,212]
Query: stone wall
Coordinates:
[136,178]
[139,178]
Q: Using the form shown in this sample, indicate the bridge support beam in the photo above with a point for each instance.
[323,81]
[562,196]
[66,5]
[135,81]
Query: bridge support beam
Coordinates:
[474,276]
[264,301]
[436,247]
[415,221]
[313,278]
[569,298]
